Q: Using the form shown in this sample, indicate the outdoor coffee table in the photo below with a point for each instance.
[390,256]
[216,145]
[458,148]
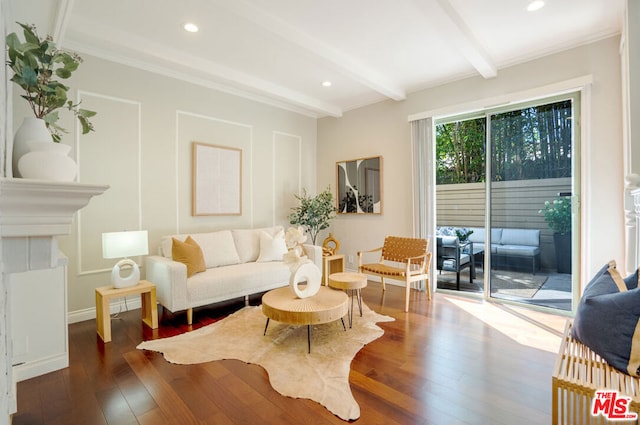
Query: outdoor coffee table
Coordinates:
[282,305]
[353,283]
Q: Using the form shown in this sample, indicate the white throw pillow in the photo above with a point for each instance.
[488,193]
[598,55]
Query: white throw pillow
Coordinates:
[272,248]
[248,242]
[218,248]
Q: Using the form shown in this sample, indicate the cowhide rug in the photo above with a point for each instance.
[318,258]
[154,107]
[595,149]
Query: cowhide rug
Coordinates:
[322,375]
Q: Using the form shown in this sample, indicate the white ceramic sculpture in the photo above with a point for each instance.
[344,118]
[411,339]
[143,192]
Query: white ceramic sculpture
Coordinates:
[308,273]
[302,269]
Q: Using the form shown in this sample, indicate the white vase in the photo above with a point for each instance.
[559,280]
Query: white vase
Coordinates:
[31,129]
[48,161]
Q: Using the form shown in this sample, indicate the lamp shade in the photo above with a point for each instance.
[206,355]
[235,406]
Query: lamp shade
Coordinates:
[124,244]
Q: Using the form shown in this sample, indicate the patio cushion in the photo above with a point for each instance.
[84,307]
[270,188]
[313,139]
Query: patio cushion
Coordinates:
[478,235]
[529,237]
[450,264]
[607,319]
[517,250]
[449,241]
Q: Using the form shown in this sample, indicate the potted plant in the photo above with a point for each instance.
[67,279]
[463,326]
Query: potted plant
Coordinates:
[463,234]
[314,213]
[557,214]
[37,66]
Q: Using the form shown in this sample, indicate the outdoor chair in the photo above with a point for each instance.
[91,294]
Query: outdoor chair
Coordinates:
[405,259]
[450,256]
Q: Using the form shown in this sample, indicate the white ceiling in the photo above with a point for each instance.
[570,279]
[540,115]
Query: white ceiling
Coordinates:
[280,51]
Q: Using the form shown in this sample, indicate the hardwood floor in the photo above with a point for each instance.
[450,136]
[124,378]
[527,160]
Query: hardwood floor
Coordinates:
[453,360]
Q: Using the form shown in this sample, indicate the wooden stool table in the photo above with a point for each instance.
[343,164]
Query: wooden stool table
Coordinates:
[282,305]
[104,294]
[352,282]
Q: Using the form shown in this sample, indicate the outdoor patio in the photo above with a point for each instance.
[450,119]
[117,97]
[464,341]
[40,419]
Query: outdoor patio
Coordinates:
[545,288]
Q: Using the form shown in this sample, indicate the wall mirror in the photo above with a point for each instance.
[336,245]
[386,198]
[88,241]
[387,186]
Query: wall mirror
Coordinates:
[359,186]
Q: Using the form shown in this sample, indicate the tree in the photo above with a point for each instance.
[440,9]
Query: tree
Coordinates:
[528,143]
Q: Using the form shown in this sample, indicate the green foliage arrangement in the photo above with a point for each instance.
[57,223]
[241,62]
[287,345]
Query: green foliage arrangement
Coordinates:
[558,215]
[35,64]
[314,213]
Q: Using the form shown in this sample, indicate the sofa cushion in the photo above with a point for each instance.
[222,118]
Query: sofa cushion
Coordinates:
[236,280]
[450,264]
[607,319]
[188,253]
[218,248]
[517,250]
[450,241]
[529,237]
[446,231]
[478,236]
[272,248]
[248,241]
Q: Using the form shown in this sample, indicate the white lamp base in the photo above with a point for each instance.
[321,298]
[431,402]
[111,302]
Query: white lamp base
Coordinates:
[125,281]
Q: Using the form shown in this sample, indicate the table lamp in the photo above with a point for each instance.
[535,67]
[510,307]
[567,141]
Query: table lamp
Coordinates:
[125,244]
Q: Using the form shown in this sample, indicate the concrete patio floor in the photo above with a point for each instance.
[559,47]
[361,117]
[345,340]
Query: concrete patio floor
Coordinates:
[554,293]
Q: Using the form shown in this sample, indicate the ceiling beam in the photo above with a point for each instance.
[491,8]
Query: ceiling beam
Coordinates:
[132,49]
[456,31]
[339,61]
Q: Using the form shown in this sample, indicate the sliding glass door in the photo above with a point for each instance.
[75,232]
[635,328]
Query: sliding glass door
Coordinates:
[506,201]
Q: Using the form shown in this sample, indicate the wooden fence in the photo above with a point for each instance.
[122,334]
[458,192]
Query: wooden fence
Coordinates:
[514,204]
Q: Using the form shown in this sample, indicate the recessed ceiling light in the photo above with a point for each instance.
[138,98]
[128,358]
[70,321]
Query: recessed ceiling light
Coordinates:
[326,84]
[535,5]
[190,27]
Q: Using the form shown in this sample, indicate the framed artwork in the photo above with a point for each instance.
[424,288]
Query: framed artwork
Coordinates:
[216,180]
[359,186]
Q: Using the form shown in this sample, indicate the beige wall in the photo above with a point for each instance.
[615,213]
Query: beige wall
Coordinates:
[142,149]
[383,129]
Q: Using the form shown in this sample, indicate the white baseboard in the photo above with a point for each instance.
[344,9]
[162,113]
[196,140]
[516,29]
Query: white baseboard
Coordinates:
[40,367]
[119,305]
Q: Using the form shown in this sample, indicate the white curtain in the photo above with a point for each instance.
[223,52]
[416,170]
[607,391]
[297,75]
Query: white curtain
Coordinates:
[424,195]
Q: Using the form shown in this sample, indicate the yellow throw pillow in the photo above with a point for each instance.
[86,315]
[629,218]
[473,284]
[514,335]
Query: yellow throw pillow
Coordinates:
[189,253]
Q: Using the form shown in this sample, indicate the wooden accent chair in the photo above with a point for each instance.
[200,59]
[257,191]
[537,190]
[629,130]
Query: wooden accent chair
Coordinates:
[405,259]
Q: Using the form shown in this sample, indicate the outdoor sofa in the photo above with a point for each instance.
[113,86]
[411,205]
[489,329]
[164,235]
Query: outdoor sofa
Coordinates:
[510,248]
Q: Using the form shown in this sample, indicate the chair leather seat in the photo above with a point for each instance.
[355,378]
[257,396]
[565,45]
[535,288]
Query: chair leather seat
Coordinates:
[383,269]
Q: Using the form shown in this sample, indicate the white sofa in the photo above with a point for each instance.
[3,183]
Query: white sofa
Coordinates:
[239,262]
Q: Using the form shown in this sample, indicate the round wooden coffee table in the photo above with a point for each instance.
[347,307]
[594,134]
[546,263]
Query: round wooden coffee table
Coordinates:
[352,282]
[282,305]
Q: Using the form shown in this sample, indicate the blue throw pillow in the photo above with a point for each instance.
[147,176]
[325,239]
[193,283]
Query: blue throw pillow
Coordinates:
[607,319]
[632,280]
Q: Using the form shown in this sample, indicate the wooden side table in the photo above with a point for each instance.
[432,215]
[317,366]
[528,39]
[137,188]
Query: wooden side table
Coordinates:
[104,294]
[352,282]
[331,264]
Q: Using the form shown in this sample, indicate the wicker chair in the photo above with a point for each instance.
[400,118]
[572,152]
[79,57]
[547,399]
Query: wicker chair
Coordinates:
[405,259]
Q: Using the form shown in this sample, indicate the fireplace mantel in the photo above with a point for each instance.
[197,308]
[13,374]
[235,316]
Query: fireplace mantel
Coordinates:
[32,214]
[41,208]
